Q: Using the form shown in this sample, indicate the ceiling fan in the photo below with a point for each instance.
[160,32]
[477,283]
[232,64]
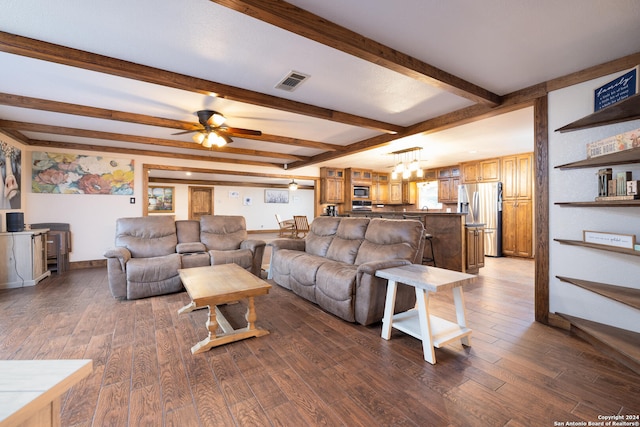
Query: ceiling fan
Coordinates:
[214,132]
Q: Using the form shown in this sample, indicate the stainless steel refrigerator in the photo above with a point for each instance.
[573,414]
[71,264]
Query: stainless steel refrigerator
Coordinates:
[483,205]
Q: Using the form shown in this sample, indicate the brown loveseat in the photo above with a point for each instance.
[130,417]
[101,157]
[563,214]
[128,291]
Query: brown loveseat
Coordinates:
[335,265]
[149,251]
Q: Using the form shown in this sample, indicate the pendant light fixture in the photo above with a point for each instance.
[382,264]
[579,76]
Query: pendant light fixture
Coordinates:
[293,185]
[407,162]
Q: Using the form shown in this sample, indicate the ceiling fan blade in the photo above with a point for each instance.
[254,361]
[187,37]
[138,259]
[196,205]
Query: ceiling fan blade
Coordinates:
[187,131]
[225,137]
[240,131]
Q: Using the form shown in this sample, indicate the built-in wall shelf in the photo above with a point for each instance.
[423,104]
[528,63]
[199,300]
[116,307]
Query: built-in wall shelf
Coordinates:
[621,111]
[600,247]
[618,158]
[621,344]
[606,204]
[624,295]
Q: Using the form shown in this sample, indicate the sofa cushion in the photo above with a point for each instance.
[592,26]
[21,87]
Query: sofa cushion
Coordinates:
[303,275]
[153,276]
[146,237]
[280,267]
[335,289]
[188,230]
[390,239]
[222,232]
[349,236]
[242,257]
[320,235]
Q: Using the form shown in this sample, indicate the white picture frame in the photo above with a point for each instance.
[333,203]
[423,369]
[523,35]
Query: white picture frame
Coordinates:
[627,241]
[276,196]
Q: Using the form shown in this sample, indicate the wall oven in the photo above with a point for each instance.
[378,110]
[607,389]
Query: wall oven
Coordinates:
[361,205]
[361,192]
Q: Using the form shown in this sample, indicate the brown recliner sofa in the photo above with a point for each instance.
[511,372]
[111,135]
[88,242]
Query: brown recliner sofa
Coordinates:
[150,250]
[335,265]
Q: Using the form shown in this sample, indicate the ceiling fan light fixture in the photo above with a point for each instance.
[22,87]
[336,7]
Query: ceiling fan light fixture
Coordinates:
[293,185]
[217,119]
[198,138]
[206,141]
[218,140]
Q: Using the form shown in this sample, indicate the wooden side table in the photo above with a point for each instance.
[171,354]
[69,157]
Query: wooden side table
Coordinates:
[433,331]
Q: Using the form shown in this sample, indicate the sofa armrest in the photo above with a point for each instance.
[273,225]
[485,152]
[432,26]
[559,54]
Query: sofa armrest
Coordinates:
[293,244]
[252,245]
[371,292]
[119,252]
[117,258]
[373,266]
[191,247]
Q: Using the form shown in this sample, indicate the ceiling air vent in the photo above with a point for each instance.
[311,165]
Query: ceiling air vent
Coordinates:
[292,80]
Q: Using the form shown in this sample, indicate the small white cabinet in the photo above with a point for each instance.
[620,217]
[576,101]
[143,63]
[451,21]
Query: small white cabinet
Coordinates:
[23,258]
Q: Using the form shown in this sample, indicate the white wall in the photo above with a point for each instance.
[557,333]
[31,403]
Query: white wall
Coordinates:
[93,217]
[566,106]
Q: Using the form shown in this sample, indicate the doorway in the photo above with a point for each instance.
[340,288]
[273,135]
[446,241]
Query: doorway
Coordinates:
[200,202]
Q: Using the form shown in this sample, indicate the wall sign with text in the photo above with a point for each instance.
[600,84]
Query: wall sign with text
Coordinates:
[620,88]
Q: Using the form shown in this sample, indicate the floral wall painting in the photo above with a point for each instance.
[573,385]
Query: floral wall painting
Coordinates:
[276,196]
[161,199]
[61,173]
[10,176]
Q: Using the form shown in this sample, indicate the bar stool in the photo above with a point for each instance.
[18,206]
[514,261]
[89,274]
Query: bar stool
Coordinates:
[428,238]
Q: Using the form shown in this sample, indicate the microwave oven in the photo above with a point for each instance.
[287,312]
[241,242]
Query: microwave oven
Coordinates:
[361,192]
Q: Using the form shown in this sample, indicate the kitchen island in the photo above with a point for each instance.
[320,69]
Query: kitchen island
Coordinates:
[449,231]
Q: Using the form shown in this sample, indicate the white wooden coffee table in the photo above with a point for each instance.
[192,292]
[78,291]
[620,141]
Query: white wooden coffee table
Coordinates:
[432,330]
[221,284]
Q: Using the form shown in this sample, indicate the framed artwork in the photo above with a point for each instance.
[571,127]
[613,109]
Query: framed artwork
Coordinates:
[276,196]
[161,199]
[10,176]
[62,173]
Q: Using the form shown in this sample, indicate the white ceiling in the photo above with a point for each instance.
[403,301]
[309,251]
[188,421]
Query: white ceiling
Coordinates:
[501,46]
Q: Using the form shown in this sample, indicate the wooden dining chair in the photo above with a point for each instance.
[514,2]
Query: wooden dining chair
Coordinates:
[287,227]
[302,226]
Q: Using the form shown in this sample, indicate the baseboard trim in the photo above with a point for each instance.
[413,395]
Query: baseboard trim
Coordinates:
[96,263]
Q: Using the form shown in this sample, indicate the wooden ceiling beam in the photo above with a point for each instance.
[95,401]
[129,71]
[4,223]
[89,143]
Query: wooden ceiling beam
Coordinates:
[102,113]
[306,24]
[24,46]
[226,172]
[110,136]
[130,152]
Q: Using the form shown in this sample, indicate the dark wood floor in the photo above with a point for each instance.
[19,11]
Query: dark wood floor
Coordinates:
[313,369]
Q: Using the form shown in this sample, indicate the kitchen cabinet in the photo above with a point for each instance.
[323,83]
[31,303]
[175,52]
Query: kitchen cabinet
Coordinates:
[360,176]
[481,171]
[517,205]
[517,230]
[475,249]
[448,182]
[23,258]
[395,192]
[517,176]
[409,193]
[331,185]
[380,188]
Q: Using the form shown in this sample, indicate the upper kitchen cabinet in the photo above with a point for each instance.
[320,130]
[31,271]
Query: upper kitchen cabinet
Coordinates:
[360,176]
[380,188]
[481,171]
[517,174]
[331,185]
[448,181]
